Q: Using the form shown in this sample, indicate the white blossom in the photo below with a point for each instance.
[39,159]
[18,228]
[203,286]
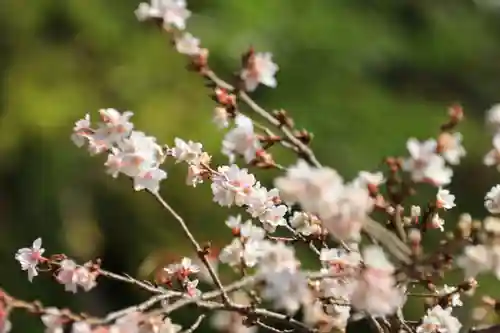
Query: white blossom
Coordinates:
[309,186]
[251,232]
[220,117]
[132,153]
[260,200]
[493,117]
[277,257]
[339,259]
[437,222]
[260,69]
[81,327]
[72,276]
[5,324]
[149,180]
[191,287]
[476,259]
[493,156]
[288,290]
[425,165]
[274,217]
[172,12]
[232,322]
[30,257]
[306,224]
[168,326]
[237,252]
[187,44]
[183,269]
[375,291]
[231,185]
[345,214]
[455,296]
[445,199]
[81,130]
[451,147]
[492,200]
[241,140]
[189,152]
[339,290]
[439,320]
[127,324]
[369,179]
[53,320]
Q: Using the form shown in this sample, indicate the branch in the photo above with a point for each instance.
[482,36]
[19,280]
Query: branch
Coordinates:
[201,253]
[302,149]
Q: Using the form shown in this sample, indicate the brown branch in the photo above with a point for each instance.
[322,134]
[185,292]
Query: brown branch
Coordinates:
[201,253]
[302,149]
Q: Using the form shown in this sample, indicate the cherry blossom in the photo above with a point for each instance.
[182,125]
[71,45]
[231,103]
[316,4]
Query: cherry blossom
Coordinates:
[241,140]
[53,320]
[344,215]
[445,199]
[274,217]
[232,322]
[220,117]
[260,69]
[437,222]
[172,12]
[29,258]
[369,179]
[81,327]
[5,324]
[309,186]
[81,130]
[191,288]
[132,153]
[306,224]
[450,147]
[238,252]
[492,158]
[339,259]
[189,152]
[492,200]
[454,295]
[439,320]
[286,289]
[425,165]
[277,257]
[493,117]
[260,200]
[73,276]
[476,259]
[375,291]
[187,44]
[231,185]
[127,324]
[251,232]
[183,269]
[339,290]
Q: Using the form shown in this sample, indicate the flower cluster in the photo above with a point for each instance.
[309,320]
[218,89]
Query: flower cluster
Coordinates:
[234,186]
[181,272]
[342,207]
[130,152]
[310,205]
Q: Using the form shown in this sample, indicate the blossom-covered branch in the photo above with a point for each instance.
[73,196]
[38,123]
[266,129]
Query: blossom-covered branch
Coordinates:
[367,237]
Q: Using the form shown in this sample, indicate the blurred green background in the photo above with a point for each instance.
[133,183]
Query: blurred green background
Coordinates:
[363,76]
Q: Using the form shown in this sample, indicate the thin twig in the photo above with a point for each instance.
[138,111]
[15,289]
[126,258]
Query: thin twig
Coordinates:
[195,325]
[302,149]
[199,250]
